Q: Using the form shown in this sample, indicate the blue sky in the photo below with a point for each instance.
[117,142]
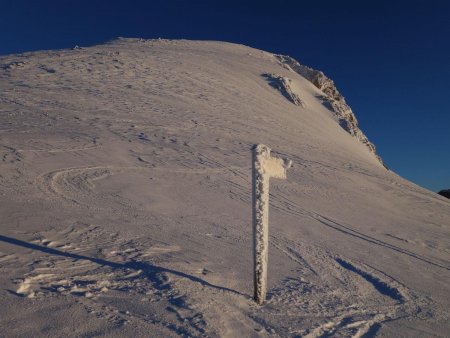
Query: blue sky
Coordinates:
[390,59]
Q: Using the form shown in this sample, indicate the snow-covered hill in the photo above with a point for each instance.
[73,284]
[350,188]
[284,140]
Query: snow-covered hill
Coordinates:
[126,189]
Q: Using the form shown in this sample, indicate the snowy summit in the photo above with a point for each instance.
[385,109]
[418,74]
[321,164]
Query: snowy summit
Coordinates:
[126,201]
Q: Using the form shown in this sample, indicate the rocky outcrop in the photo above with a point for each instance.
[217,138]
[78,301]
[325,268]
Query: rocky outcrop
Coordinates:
[283,84]
[332,99]
[445,193]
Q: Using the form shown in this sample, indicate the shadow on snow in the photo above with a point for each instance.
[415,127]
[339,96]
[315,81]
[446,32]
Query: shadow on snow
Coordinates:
[152,272]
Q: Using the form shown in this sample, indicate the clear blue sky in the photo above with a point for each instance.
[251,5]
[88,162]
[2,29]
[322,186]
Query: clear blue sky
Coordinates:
[390,59]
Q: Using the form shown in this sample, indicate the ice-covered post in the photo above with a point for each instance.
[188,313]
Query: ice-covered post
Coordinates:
[264,167]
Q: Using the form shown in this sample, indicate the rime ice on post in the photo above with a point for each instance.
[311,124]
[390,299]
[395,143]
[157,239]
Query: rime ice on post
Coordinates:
[264,167]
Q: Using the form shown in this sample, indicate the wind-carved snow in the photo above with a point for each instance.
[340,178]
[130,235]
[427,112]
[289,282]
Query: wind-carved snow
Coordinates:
[332,99]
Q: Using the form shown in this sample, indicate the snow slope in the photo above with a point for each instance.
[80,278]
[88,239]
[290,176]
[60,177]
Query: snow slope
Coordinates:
[126,202]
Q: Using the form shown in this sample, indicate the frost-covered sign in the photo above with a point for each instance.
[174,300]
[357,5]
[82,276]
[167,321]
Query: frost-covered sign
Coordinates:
[264,167]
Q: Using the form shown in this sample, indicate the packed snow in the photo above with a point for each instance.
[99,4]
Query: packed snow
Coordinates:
[126,201]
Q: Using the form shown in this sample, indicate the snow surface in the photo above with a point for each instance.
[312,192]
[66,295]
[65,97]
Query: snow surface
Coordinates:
[126,203]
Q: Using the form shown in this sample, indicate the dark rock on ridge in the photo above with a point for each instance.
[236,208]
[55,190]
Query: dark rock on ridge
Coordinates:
[445,193]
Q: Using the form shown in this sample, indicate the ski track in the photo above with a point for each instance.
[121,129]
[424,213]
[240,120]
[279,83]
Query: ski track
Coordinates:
[286,205]
[383,298]
[76,185]
[85,280]
[72,270]
[281,202]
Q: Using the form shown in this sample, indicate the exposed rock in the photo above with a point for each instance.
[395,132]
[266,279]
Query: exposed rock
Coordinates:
[332,99]
[283,84]
[445,193]
[13,65]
